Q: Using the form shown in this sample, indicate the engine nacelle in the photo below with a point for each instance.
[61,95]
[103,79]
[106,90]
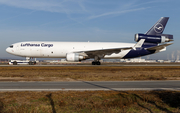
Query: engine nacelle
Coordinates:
[74,57]
[154,38]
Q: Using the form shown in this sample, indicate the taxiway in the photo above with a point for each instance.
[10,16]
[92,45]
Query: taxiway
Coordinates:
[89,86]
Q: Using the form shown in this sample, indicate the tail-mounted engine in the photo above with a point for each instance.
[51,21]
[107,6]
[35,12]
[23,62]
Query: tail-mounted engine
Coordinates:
[75,57]
[161,38]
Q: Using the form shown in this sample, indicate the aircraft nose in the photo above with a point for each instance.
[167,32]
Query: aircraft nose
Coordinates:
[8,50]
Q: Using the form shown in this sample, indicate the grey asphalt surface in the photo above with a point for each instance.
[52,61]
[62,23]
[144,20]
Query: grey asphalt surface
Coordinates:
[66,65]
[89,85]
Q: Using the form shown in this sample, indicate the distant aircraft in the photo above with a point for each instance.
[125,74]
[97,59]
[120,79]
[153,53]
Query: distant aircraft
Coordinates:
[153,41]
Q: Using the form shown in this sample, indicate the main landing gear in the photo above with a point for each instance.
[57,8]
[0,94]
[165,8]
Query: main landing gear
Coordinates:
[96,63]
[32,62]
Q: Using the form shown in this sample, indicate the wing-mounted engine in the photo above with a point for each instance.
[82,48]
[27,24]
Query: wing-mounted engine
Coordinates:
[75,57]
[160,38]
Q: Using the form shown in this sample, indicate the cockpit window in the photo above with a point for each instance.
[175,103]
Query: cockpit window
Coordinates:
[11,46]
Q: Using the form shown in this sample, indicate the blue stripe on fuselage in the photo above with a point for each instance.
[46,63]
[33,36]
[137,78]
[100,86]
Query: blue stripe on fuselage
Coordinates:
[138,53]
[141,51]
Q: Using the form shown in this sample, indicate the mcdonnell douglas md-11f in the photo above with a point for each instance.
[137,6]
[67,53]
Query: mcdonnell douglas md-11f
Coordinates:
[153,41]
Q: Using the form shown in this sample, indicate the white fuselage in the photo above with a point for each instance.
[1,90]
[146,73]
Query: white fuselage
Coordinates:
[151,42]
[61,49]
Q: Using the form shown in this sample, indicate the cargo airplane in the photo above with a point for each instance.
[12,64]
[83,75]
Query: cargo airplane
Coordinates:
[153,41]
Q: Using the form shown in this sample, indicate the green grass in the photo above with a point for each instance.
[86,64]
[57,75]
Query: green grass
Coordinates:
[105,73]
[90,102]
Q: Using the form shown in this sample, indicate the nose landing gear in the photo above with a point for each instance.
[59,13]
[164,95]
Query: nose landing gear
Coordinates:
[31,62]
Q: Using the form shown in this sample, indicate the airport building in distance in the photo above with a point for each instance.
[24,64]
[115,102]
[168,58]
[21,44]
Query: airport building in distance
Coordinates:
[134,60]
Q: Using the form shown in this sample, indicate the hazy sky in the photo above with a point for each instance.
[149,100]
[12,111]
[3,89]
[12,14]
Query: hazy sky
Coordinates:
[86,20]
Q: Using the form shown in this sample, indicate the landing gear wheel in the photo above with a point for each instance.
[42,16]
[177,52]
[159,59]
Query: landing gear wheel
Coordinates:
[96,63]
[93,63]
[32,63]
[14,63]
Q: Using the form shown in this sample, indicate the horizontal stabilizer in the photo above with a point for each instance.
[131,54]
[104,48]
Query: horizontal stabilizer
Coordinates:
[159,47]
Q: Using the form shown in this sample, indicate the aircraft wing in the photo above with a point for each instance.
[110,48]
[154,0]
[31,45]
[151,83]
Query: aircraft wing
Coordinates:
[159,47]
[103,52]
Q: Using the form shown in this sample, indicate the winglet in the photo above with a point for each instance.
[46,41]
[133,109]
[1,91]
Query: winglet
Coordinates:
[139,44]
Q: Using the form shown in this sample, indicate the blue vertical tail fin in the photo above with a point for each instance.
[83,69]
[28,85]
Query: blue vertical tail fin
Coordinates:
[159,27]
